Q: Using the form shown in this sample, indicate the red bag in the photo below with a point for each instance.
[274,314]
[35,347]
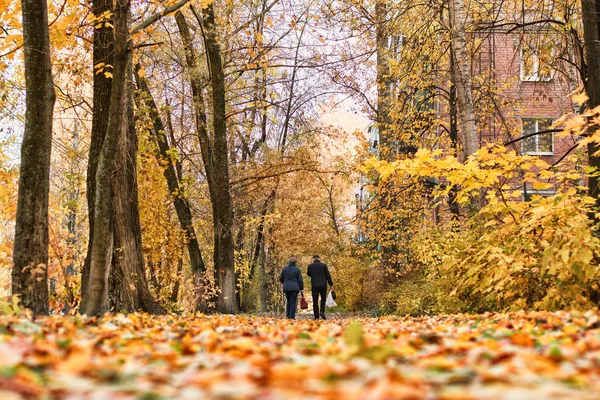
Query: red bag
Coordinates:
[303,302]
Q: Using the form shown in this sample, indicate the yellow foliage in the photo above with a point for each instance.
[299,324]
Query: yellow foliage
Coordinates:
[508,253]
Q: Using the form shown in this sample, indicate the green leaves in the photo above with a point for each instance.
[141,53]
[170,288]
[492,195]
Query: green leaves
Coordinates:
[354,336]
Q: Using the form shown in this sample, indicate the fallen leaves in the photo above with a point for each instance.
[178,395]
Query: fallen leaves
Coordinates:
[138,356]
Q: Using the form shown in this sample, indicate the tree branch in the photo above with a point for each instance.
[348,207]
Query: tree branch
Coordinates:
[566,154]
[530,135]
[158,16]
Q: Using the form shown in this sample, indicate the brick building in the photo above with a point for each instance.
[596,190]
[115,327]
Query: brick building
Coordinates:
[535,76]
[535,87]
[532,78]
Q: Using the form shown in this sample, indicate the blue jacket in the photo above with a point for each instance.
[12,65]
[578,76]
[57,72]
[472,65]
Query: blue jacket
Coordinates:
[291,277]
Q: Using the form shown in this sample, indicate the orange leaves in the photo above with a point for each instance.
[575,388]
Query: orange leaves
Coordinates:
[446,357]
[77,359]
[521,339]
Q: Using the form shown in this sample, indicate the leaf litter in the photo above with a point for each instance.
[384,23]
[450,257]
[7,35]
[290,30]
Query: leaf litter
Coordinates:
[533,355]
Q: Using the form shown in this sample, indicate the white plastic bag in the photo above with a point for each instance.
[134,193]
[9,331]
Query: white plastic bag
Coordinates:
[330,302]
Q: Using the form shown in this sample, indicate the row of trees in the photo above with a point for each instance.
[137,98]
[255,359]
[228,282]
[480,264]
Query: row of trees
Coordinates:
[205,161]
[220,100]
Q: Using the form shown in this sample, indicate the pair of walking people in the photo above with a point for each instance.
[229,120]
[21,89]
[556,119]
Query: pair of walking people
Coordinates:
[291,278]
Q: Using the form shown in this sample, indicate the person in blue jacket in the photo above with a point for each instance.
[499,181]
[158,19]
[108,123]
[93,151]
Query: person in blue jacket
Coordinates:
[291,277]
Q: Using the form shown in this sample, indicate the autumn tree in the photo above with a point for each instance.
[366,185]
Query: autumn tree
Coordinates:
[215,152]
[173,176]
[29,275]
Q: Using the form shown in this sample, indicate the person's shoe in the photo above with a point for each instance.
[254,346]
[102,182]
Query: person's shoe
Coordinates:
[323,316]
[316,318]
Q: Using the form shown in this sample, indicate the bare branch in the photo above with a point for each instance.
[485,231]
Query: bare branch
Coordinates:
[530,135]
[158,16]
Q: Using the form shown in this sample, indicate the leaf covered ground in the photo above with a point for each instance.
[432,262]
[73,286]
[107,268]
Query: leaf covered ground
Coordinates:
[491,356]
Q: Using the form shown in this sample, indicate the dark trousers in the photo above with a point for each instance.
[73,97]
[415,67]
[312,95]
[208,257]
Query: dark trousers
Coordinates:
[291,304]
[315,295]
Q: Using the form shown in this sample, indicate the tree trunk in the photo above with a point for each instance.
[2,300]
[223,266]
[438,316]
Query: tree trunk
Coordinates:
[102,55]
[95,299]
[222,207]
[191,57]
[128,286]
[176,284]
[257,266]
[29,274]
[180,202]
[454,208]
[591,33]
[462,78]
[262,276]
[214,154]
[384,83]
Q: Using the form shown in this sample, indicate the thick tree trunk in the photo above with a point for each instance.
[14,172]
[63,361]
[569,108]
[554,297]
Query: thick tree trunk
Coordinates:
[128,286]
[95,299]
[462,78]
[29,274]
[102,56]
[180,202]
[591,32]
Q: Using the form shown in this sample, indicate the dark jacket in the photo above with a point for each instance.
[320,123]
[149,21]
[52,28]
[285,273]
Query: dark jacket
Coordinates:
[319,275]
[291,277]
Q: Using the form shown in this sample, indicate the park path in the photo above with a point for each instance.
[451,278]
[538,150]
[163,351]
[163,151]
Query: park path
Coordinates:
[535,355]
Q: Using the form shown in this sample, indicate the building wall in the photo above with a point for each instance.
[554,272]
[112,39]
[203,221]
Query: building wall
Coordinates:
[501,56]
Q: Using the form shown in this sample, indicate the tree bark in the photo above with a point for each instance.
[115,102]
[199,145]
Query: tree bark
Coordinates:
[454,207]
[383,119]
[222,207]
[29,274]
[214,153]
[102,55]
[591,34]
[206,149]
[176,284]
[95,299]
[128,286]
[462,78]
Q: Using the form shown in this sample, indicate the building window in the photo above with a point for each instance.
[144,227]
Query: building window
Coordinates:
[542,144]
[535,63]
[529,194]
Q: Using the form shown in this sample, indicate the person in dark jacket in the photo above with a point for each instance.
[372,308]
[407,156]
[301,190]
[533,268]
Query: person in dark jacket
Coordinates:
[291,277]
[319,277]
